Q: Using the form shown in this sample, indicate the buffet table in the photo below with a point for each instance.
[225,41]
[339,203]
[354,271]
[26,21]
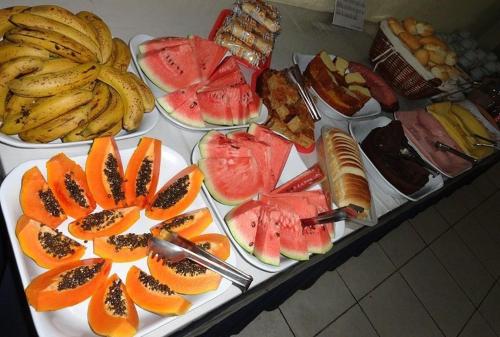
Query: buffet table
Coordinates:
[302,31]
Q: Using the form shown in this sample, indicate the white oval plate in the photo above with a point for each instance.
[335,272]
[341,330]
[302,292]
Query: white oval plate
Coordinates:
[370,109]
[293,167]
[359,130]
[72,321]
[157,92]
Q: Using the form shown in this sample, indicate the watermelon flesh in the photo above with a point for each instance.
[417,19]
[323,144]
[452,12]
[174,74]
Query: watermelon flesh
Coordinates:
[209,54]
[228,65]
[189,113]
[293,243]
[216,145]
[232,78]
[171,101]
[267,237]
[215,107]
[161,42]
[242,222]
[317,238]
[224,177]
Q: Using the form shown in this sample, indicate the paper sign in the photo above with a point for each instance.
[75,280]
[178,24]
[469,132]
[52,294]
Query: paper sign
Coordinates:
[349,14]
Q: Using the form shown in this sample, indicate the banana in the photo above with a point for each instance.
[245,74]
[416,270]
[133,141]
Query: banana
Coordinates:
[9,71]
[47,109]
[111,115]
[148,100]
[64,16]
[10,51]
[133,109]
[16,112]
[56,82]
[54,65]
[112,131]
[89,86]
[100,99]
[5,13]
[102,33]
[111,58]
[122,55]
[54,42]
[57,127]
[40,23]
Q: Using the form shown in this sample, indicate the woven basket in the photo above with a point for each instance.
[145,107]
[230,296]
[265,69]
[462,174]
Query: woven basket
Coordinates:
[396,70]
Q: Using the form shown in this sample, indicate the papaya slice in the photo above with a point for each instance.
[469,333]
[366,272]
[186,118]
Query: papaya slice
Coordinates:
[68,182]
[187,224]
[152,295]
[111,311]
[186,276]
[216,244]
[104,172]
[38,200]
[104,223]
[67,285]
[176,195]
[122,248]
[48,247]
[143,170]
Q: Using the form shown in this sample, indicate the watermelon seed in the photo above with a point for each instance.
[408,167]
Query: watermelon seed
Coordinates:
[253,224]
[250,244]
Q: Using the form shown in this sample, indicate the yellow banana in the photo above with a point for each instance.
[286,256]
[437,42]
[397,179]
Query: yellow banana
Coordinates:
[54,65]
[36,22]
[148,100]
[57,127]
[111,58]
[102,33]
[112,131]
[9,71]
[56,82]
[16,112]
[49,108]
[64,16]
[54,42]
[122,55]
[111,115]
[10,51]
[5,13]
[133,109]
[100,99]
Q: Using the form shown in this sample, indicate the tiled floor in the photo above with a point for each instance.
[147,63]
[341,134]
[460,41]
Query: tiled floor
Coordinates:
[437,274]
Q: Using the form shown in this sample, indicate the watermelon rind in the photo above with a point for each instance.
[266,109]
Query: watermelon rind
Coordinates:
[160,43]
[268,250]
[215,107]
[165,104]
[242,234]
[147,69]
[318,239]
[189,113]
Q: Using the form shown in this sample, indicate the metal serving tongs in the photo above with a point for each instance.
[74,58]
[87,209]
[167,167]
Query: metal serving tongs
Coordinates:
[175,248]
[335,215]
[296,77]
[444,147]
[490,142]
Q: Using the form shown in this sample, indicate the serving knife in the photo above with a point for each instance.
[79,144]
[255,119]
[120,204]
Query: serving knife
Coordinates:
[296,77]
[444,147]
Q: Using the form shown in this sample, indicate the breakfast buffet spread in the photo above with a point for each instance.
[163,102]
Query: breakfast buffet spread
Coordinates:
[122,241]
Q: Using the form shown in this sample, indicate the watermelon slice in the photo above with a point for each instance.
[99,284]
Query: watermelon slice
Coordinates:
[242,222]
[171,68]
[228,65]
[208,53]
[224,177]
[267,238]
[215,106]
[161,42]
[234,103]
[233,78]
[189,113]
[171,101]
[293,244]
[254,106]
[216,145]
[317,238]
[280,148]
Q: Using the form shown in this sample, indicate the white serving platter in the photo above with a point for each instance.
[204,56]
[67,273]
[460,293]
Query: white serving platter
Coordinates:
[293,167]
[370,109]
[72,321]
[359,130]
[475,111]
[157,92]
[148,122]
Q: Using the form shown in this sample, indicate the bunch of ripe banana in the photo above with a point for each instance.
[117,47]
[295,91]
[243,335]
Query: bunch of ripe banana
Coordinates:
[62,75]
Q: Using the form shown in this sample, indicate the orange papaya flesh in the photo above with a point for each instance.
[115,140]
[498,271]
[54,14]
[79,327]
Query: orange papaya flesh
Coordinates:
[152,295]
[104,223]
[216,244]
[143,170]
[38,200]
[186,276]
[176,195]
[111,311]
[104,171]
[122,248]
[68,182]
[48,247]
[67,285]
[188,224]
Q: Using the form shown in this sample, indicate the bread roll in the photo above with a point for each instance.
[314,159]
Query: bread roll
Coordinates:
[410,25]
[433,40]
[438,57]
[440,72]
[410,41]
[422,56]
[424,29]
[451,58]
[396,26]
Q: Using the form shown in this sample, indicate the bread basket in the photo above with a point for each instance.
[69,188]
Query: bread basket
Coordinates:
[399,67]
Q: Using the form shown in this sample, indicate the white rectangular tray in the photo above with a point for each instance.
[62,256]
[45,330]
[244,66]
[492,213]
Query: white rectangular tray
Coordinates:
[72,321]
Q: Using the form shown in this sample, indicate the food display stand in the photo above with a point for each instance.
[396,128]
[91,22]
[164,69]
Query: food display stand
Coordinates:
[302,32]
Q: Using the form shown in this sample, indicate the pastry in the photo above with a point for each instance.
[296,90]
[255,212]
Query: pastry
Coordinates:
[438,56]
[422,56]
[410,41]
[433,40]
[440,72]
[424,29]
[396,26]
[410,25]
[451,58]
